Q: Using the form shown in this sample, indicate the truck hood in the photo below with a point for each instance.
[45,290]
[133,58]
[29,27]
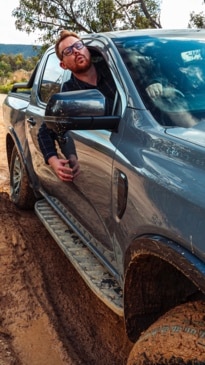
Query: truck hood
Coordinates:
[194,135]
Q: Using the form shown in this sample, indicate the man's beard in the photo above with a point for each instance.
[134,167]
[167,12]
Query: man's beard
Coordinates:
[79,68]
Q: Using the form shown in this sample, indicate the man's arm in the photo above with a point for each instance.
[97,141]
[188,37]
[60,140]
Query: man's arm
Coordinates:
[46,140]
[66,169]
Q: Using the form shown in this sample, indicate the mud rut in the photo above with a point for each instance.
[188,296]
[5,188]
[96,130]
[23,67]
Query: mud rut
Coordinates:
[48,316]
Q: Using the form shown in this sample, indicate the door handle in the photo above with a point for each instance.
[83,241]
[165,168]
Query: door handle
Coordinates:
[31,121]
[122,191]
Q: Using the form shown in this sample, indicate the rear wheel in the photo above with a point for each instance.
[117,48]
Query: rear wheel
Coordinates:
[20,191]
[176,338]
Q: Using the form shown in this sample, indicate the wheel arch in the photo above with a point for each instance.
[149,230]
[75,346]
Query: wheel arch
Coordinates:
[160,274]
[10,143]
[13,140]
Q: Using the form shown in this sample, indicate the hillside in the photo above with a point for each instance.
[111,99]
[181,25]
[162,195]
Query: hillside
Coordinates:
[24,49]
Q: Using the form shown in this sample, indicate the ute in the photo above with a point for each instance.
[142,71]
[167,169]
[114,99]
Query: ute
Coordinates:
[132,222]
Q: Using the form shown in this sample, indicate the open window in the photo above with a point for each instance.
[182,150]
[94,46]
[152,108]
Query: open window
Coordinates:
[109,88]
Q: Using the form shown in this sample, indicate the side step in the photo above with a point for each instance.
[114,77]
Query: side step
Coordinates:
[91,270]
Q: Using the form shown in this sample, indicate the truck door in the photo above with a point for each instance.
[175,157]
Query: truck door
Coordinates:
[88,198]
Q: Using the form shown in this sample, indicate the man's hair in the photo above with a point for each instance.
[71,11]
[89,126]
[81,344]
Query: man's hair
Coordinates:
[64,34]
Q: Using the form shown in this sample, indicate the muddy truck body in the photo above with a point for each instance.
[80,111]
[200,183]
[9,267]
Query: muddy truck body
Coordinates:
[133,222]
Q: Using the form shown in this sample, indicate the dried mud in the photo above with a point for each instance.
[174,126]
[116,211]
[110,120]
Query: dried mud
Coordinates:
[48,316]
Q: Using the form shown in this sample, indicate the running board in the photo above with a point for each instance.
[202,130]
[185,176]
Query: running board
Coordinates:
[90,269]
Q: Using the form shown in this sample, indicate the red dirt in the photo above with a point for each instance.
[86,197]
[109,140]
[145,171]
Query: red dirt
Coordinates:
[48,316]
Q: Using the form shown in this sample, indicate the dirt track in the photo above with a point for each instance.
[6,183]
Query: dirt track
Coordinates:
[47,314]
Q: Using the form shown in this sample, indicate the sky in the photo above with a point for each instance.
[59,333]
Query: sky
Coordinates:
[8,32]
[174,14]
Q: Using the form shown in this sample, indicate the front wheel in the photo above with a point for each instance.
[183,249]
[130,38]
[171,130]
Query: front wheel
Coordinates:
[177,338]
[21,193]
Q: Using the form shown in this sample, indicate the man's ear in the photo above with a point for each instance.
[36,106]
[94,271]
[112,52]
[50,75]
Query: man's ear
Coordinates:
[63,65]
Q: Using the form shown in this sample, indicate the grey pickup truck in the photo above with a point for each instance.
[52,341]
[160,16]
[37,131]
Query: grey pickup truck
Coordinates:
[133,222]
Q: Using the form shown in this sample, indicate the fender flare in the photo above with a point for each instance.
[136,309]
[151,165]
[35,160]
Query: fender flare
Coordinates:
[159,275]
[13,140]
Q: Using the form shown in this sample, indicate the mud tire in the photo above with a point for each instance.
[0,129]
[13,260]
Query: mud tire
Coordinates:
[176,338]
[21,194]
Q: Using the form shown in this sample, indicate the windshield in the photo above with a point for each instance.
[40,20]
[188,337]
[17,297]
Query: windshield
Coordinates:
[169,74]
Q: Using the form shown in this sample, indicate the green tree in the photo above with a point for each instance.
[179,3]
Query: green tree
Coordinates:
[84,16]
[5,68]
[19,60]
[143,14]
[197,20]
[12,63]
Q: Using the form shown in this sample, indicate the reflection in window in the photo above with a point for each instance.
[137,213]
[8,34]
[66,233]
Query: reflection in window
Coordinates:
[52,78]
[179,66]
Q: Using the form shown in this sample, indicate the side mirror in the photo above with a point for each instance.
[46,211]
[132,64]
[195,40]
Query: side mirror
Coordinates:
[79,110]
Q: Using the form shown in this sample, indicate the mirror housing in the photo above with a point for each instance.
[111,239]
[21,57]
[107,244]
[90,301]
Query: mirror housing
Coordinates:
[79,110]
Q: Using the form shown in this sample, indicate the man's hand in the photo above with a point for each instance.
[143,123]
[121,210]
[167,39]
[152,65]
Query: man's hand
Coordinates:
[60,167]
[154,90]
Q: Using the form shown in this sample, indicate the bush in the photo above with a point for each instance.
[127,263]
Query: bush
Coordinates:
[4,89]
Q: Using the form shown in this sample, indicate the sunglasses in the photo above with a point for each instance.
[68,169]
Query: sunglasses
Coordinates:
[68,51]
